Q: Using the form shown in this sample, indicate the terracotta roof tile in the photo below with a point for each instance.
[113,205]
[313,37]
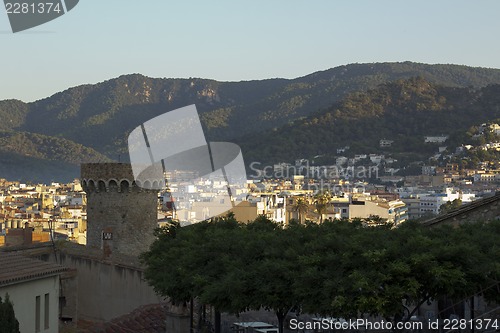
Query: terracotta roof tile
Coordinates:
[146,319]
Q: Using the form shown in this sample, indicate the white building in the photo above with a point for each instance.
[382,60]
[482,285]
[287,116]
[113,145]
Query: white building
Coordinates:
[377,159]
[484,177]
[341,160]
[428,170]
[385,143]
[436,139]
[33,287]
[432,202]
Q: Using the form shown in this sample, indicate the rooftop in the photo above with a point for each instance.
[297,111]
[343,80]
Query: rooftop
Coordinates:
[146,319]
[16,268]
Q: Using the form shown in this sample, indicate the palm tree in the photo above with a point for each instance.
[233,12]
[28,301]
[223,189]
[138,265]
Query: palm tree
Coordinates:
[321,202]
[301,206]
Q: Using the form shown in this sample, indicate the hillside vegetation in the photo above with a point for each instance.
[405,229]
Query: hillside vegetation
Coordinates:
[100,116]
[42,158]
[404,111]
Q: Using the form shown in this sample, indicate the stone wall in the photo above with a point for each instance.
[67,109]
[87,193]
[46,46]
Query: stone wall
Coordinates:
[107,171]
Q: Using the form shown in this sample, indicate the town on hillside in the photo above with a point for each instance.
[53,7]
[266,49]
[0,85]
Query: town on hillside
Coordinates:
[364,186]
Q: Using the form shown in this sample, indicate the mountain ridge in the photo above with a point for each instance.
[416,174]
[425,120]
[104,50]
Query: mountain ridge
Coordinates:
[100,116]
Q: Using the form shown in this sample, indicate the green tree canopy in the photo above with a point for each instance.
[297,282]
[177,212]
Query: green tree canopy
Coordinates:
[336,268]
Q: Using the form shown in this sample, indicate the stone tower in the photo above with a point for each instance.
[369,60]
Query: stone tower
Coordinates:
[121,216]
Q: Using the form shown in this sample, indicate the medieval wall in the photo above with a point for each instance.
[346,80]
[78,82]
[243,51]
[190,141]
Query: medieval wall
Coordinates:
[106,290]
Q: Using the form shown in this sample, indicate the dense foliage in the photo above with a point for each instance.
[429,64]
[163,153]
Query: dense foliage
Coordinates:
[336,268]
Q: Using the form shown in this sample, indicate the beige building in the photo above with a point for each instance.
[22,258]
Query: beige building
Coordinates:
[394,211]
[270,206]
[247,211]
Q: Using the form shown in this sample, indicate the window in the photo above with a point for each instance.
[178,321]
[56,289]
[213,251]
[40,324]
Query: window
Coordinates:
[46,318]
[37,315]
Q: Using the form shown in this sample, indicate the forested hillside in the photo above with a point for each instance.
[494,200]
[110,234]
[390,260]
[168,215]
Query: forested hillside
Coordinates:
[404,112]
[38,157]
[100,116]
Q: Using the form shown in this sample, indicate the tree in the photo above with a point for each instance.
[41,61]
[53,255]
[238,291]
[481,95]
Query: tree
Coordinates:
[268,280]
[200,261]
[321,202]
[169,263]
[8,321]
[233,267]
[449,206]
[377,270]
[335,268]
[301,206]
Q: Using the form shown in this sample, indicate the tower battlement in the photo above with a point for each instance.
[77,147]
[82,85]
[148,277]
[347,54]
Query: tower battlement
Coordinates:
[115,177]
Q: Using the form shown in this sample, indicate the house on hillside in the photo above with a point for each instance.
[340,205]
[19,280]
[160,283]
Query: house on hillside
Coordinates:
[385,143]
[436,139]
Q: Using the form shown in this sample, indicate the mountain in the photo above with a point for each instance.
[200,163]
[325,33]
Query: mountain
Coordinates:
[100,116]
[403,111]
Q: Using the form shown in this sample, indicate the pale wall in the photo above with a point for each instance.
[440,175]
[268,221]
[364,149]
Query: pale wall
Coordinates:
[23,296]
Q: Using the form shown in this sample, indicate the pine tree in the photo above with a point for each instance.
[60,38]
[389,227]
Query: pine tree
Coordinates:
[8,321]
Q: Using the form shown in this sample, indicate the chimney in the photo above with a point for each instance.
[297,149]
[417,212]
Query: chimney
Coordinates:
[27,234]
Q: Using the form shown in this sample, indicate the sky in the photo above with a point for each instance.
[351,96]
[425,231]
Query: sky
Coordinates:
[234,40]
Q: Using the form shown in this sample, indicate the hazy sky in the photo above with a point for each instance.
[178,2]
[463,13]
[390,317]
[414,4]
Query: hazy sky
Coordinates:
[235,40]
